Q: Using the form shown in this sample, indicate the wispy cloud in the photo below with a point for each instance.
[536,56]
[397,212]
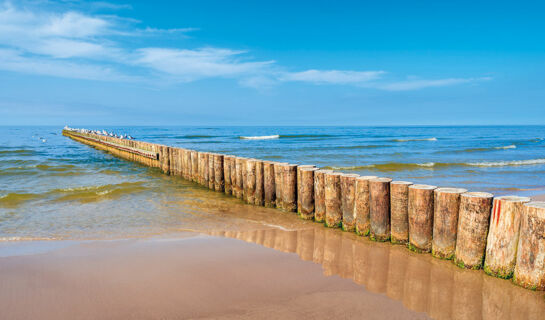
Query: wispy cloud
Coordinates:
[332,76]
[416,84]
[75,44]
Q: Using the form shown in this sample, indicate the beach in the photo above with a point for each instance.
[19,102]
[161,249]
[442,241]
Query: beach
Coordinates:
[86,235]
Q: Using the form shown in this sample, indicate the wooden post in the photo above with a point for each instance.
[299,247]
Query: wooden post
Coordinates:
[530,267]
[206,169]
[306,193]
[227,174]
[249,188]
[244,170]
[219,179]
[503,236]
[333,213]
[259,195]
[278,182]
[195,166]
[319,195]
[446,205]
[238,177]
[379,210]
[201,168]
[362,205]
[299,168]
[348,197]
[399,202]
[269,184]
[420,217]
[472,229]
[211,171]
[165,159]
[289,188]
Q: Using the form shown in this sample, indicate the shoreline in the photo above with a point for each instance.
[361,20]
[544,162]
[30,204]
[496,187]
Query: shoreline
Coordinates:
[269,273]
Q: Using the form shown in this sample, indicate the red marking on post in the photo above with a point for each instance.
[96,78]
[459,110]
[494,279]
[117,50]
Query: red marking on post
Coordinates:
[499,213]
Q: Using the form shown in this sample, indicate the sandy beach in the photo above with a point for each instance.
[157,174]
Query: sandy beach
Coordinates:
[311,273]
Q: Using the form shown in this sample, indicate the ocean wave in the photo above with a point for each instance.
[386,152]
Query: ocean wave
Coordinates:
[195,136]
[297,136]
[97,193]
[260,137]
[512,163]
[415,139]
[400,166]
[512,146]
[13,200]
[18,152]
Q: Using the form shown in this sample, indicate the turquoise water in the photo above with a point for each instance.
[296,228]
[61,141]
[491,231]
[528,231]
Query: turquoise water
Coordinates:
[54,187]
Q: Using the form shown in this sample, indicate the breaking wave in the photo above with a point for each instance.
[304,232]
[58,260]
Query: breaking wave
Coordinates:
[260,137]
[416,139]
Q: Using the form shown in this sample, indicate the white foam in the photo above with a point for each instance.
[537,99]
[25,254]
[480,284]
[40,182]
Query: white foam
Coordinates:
[425,139]
[507,163]
[427,164]
[512,146]
[260,137]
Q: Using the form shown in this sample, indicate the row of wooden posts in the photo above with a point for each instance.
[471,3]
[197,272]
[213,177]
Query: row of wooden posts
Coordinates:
[503,235]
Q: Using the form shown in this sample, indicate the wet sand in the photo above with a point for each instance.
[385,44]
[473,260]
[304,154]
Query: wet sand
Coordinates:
[195,277]
[313,273]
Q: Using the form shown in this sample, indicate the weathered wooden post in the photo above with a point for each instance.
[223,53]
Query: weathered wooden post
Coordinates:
[305,197]
[399,202]
[333,213]
[249,187]
[362,205]
[244,168]
[446,205]
[211,171]
[379,210]
[219,179]
[503,236]
[269,184]
[201,168]
[299,185]
[165,159]
[206,169]
[420,217]
[319,195]
[472,229]
[238,177]
[278,182]
[194,166]
[530,267]
[289,188]
[227,174]
[348,197]
[259,194]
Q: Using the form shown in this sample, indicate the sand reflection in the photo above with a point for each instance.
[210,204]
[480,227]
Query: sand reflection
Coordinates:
[421,282]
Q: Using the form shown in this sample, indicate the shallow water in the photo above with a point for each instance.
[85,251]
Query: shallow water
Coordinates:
[52,187]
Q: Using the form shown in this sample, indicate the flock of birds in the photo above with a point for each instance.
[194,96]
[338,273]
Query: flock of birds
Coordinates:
[101,133]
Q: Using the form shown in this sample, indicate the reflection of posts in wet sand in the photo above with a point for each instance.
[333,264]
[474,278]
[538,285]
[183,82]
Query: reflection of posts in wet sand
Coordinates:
[422,283]
[441,291]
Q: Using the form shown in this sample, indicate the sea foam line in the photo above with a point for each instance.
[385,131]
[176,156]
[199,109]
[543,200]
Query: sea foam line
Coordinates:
[260,137]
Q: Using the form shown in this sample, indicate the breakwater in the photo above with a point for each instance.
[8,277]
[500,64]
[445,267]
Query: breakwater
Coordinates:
[505,236]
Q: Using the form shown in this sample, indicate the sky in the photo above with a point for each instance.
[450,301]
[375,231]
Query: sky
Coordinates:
[272,62]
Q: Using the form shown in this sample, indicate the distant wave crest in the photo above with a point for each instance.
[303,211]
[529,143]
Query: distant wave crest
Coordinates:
[260,137]
[415,139]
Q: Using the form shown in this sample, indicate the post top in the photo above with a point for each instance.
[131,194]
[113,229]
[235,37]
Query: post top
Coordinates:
[477,195]
[381,180]
[402,182]
[422,187]
[451,190]
[366,177]
[514,199]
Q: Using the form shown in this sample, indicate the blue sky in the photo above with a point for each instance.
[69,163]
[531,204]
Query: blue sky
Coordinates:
[272,63]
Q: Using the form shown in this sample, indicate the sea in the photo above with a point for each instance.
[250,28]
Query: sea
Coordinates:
[52,187]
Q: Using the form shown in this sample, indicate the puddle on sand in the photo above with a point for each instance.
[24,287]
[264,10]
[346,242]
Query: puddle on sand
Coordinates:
[421,282]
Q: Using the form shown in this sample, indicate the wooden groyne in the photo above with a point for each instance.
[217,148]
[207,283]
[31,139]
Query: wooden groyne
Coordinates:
[505,235]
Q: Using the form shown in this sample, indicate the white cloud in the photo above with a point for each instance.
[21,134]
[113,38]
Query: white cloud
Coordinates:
[190,65]
[332,76]
[416,84]
[73,44]
[12,60]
